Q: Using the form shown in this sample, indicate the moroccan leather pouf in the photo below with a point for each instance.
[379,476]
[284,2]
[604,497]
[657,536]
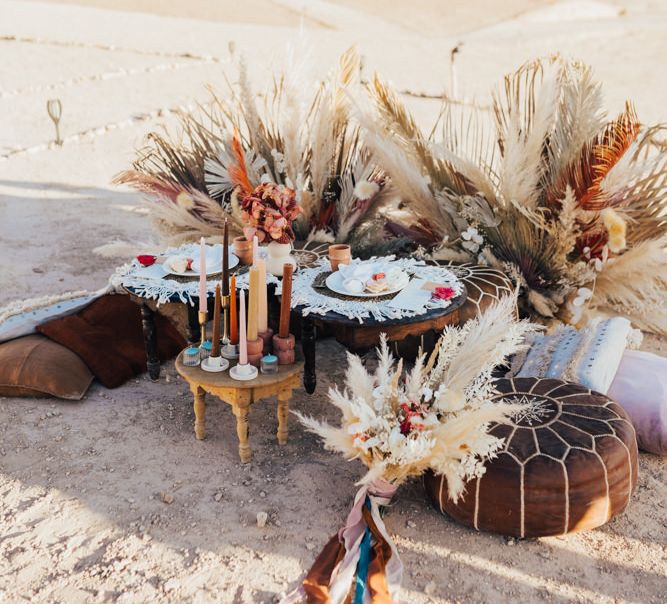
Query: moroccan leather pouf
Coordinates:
[484,286]
[569,463]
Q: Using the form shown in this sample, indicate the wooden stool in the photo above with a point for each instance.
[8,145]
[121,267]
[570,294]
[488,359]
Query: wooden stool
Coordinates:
[240,395]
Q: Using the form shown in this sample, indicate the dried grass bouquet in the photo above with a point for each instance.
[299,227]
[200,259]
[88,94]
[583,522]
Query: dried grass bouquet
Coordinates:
[436,416]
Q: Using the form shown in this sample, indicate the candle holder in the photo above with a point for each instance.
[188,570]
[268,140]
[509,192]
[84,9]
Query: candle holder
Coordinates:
[205,350]
[267,339]
[243,373]
[255,348]
[269,364]
[229,350]
[203,318]
[214,364]
[283,348]
[191,356]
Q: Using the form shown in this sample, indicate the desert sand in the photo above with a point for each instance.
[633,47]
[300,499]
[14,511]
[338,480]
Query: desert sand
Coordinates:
[84,487]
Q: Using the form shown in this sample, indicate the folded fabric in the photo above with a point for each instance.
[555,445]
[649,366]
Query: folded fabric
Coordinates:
[108,337]
[36,366]
[589,356]
[640,387]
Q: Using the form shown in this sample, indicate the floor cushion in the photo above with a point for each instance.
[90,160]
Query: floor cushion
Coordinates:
[589,356]
[108,336]
[36,366]
[484,286]
[569,463]
[640,387]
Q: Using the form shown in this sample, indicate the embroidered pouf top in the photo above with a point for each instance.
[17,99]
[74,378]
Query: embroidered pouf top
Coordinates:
[569,463]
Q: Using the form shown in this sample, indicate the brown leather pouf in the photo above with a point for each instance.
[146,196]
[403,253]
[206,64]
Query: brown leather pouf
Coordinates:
[484,286]
[569,463]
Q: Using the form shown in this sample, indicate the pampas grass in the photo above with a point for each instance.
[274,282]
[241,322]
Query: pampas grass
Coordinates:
[437,414]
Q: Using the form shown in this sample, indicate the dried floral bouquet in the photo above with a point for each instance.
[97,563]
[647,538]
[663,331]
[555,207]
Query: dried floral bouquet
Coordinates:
[435,417]
[300,137]
[572,204]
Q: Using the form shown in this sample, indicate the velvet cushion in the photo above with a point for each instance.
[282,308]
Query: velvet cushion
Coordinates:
[640,387]
[569,463]
[36,366]
[108,336]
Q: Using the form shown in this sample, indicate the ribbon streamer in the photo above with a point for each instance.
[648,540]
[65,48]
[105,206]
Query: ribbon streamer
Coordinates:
[360,564]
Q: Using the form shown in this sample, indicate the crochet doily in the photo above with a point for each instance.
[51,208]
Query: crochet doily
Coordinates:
[319,301]
[168,288]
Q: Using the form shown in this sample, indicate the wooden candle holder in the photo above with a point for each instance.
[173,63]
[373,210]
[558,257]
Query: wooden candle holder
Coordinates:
[255,349]
[283,348]
[267,338]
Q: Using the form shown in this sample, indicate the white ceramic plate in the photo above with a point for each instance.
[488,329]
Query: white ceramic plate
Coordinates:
[335,283]
[211,268]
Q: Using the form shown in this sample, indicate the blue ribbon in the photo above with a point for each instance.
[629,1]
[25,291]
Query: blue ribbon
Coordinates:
[364,562]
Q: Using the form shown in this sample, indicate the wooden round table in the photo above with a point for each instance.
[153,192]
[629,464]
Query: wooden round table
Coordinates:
[356,336]
[240,395]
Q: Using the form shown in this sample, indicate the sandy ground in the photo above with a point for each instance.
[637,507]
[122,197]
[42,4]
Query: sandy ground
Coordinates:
[83,519]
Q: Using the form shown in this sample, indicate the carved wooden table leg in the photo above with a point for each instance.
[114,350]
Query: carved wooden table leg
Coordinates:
[284,396]
[308,343]
[150,341]
[241,413]
[193,330]
[200,412]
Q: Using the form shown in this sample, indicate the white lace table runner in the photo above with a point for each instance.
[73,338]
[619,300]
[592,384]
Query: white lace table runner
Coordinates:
[317,302]
[152,283]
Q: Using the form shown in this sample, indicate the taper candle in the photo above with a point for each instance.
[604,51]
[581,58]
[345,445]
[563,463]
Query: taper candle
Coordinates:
[253,303]
[286,300]
[215,338]
[225,261]
[255,249]
[243,345]
[263,311]
[202,276]
[233,318]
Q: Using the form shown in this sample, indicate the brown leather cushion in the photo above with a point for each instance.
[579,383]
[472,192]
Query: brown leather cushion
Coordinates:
[568,464]
[36,366]
[108,336]
[484,286]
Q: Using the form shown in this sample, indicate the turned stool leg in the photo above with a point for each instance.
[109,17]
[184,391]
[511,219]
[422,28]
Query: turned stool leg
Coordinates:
[241,414]
[200,412]
[283,412]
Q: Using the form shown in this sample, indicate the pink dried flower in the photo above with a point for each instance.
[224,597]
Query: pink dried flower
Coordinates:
[443,293]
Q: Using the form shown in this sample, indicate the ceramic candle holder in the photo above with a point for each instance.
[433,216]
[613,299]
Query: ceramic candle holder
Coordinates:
[283,348]
[214,364]
[243,249]
[267,338]
[339,253]
[255,348]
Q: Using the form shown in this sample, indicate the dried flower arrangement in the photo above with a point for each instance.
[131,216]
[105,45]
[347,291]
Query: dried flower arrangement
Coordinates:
[437,416]
[570,203]
[270,210]
[297,138]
